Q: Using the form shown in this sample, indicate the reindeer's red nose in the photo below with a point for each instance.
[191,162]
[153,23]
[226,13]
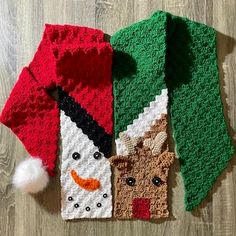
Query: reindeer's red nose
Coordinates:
[141,208]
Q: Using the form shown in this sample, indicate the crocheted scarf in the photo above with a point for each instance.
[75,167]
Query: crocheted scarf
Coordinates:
[170,58]
[164,68]
[78,63]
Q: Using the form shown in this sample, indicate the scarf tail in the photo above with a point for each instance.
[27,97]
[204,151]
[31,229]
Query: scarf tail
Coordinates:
[203,143]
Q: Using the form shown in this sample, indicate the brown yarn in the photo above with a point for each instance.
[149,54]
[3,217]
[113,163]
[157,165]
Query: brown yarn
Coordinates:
[143,166]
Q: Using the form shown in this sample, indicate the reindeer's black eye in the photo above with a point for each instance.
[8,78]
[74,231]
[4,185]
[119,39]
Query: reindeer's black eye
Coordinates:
[97,155]
[130,181]
[76,156]
[156,181]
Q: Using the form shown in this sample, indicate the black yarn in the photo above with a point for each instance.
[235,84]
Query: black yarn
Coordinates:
[85,122]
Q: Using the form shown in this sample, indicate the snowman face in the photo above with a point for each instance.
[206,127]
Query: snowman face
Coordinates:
[85,175]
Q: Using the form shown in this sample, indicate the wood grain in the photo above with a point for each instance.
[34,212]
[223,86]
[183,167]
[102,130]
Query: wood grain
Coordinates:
[21,26]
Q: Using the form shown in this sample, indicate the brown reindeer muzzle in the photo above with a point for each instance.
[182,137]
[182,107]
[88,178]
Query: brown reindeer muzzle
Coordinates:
[141,208]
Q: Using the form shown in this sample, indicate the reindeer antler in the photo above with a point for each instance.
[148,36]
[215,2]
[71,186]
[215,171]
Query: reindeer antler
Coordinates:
[128,142]
[156,143]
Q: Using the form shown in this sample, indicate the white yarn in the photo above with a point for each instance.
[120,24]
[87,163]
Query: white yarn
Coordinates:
[145,120]
[30,176]
[74,140]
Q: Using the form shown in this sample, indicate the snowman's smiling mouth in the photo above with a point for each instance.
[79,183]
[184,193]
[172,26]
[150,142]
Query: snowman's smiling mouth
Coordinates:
[89,184]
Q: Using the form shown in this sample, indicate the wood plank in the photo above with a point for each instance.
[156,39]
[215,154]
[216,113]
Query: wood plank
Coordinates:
[21,24]
[224,211]
[8,146]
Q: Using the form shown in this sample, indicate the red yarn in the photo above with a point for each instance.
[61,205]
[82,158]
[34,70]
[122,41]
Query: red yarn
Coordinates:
[78,60]
[34,117]
[141,208]
[74,58]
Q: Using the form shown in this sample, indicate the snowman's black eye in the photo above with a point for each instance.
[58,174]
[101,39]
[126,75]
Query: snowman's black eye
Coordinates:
[70,198]
[157,181]
[87,208]
[76,156]
[130,181]
[97,155]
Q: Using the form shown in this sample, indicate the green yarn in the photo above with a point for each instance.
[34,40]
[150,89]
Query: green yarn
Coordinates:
[136,61]
[182,53]
[202,141]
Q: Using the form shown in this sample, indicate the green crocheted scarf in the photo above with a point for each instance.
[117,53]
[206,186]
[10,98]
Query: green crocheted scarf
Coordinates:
[171,52]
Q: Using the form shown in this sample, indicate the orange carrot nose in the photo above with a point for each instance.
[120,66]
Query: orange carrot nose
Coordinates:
[87,184]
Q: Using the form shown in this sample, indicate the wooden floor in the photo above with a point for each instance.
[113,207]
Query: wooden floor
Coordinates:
[21,27]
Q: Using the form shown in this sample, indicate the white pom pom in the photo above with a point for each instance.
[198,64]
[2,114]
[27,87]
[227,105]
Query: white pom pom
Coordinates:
[30,176]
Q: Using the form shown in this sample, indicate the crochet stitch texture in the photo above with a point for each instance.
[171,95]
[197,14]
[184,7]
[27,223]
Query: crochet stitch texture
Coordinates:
[140,103]
[181,54]
[78,62]
[164,64]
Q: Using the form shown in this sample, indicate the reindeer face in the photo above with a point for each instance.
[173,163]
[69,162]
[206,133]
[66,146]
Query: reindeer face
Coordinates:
[142,178]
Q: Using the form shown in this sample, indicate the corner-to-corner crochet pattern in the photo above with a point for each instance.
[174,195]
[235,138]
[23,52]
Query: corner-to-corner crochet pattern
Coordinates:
[150,57]
[164,65]
[140,111]
[78,62]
